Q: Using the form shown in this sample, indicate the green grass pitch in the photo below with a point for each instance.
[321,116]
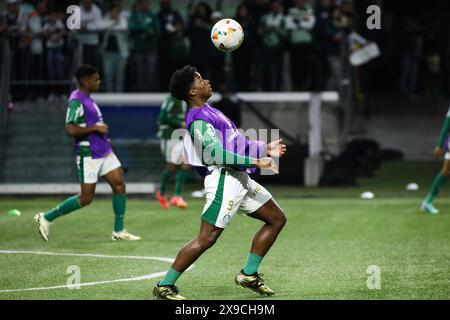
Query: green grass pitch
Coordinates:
[331,238]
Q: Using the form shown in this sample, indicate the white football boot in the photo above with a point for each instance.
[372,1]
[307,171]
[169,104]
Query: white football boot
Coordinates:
[124,235]
[43,225]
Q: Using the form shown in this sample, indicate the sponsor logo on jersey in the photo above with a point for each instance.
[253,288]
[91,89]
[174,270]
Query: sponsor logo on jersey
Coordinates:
[211,131]
[199,134]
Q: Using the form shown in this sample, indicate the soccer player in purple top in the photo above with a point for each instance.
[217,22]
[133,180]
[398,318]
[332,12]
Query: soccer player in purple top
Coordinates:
[224,157]
[94,157]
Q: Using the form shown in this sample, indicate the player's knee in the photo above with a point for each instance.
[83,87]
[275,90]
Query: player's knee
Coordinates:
[171,167]
[446,172]
[280,220]
[119,188]
[207,242]
[85,199]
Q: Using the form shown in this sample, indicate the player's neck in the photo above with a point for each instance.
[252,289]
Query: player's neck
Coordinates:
[195,104]
[85,91]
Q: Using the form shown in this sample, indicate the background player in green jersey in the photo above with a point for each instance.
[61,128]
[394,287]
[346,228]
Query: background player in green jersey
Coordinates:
[427,204]
[94,157]
[170,118]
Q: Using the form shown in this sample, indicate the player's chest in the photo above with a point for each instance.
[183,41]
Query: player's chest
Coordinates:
[92,112]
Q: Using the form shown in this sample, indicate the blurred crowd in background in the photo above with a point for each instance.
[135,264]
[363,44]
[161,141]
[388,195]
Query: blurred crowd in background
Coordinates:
[290,45]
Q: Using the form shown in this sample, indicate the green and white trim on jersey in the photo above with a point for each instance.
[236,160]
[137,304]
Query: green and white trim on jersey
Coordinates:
[75,115]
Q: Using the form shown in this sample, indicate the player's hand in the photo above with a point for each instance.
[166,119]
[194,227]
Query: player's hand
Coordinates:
[102,128]
[276,148]
[438,152]
[267,163]
[183,124]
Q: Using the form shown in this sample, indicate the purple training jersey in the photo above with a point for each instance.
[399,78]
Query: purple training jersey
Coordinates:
[86,113]
[231,138]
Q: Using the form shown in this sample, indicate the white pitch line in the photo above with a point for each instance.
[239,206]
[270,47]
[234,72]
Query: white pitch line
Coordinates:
[86,284]
[90,255]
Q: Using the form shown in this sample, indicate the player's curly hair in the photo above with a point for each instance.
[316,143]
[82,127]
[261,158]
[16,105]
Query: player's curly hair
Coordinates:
[84,71]
[181,81]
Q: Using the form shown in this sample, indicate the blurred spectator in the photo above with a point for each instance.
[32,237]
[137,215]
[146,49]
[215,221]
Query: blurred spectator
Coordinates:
[198,31]
[9,23]
[144,31]
[91,15]
[324,45]
[411,53]
[25,8]
[299,22]
[432,52]
[115,47]
[244,57]
[335,31]
[32,35]
[257,9]
[172,46]
[9,19]
[272,31]
[54,31]
[216,61]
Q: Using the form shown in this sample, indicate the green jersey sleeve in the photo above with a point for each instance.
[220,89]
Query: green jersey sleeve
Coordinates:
[213,153]
[75,113]
[171,114]
[444,131]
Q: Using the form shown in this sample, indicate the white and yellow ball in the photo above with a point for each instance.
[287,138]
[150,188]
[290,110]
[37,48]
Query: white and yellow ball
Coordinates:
[227,35]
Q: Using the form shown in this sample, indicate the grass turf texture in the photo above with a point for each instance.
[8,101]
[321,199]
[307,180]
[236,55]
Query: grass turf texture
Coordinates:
[330,240]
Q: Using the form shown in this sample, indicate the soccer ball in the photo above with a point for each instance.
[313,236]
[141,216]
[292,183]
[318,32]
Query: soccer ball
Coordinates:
[227,35]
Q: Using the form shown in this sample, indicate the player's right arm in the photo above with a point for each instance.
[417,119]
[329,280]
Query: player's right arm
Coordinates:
[75,125]
[213,153]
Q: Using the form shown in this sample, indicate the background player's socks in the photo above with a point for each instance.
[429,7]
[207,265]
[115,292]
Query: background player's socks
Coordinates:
[164,181]
[69,205]
[435,187]
[119,205]
[252,265]
[170,278]
[179,181]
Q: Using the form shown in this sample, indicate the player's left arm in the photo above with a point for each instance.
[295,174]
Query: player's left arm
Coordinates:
[259,149]
[212,150]
[276,148]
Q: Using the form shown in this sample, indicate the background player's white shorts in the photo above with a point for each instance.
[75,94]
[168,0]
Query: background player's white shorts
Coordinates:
[447,156]
[90,169]
[172,150]
[228,191]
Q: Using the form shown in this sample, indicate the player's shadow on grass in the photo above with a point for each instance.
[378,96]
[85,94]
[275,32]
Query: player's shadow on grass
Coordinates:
[233,292]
